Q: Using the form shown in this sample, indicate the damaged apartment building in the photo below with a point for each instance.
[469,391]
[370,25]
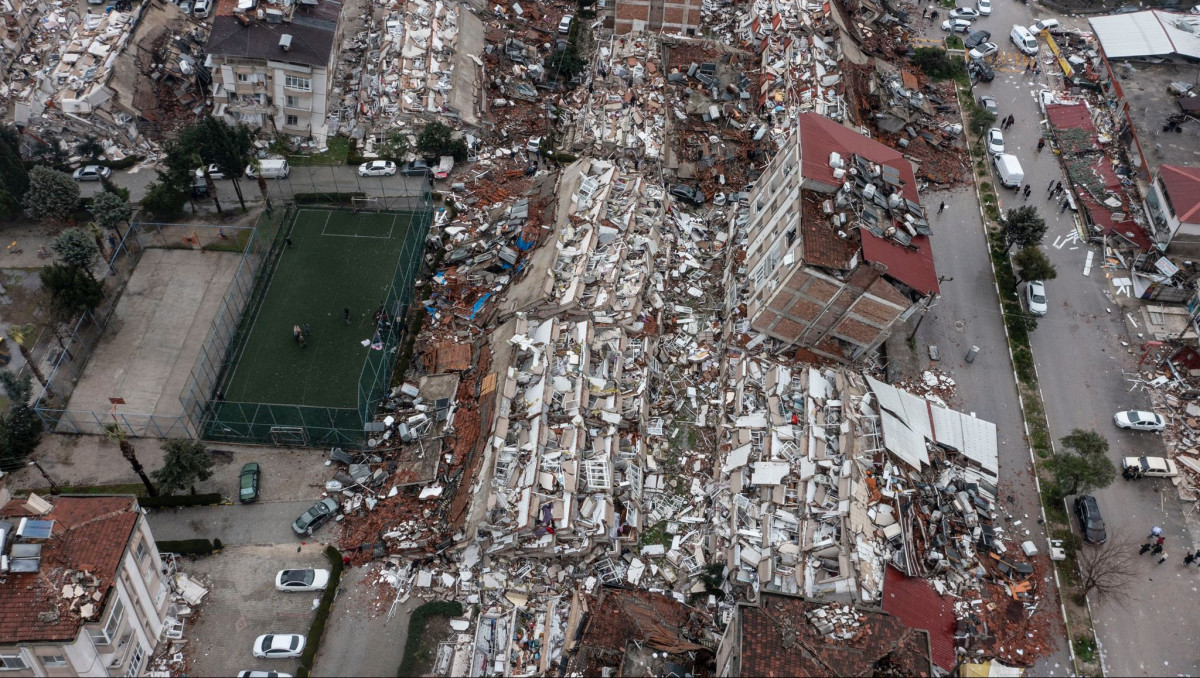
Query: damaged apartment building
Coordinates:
[838,247]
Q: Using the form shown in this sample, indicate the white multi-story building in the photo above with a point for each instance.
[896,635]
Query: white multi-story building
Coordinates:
[82,591]
[272,67]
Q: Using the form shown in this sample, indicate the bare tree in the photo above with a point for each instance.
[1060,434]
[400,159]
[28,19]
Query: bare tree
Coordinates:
[1106,569]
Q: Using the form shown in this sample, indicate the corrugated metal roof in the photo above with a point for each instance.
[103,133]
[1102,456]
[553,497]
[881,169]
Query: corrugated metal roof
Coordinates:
[1149,33]
[909,421]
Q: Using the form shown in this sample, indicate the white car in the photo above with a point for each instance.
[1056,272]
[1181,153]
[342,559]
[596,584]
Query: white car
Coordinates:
[202,8]
[377,168]
[213,171]
[1148,467]
[301,580]
[1035,298]
[983,51]
[985,7]
[91,173]
[564,24]
[969,13]
[263,674]
[995,140]
[1139,420]
[1043,25]
[279,646]
[956,25]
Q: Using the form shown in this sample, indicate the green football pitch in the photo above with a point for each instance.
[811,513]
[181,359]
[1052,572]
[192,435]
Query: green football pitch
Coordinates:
[336,260]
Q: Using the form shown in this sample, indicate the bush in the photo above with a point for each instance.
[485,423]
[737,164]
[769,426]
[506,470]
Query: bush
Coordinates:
[181,500]
[327,198]
[937,64]
[122,164]
[416,627]
[312,642]
[187,547]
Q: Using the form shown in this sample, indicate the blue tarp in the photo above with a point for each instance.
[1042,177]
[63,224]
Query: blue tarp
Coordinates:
[523,245]
[480,304]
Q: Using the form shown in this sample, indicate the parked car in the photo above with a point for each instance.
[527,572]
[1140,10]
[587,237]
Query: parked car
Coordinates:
[985,7]
[213,171]
[1035,298]
[202,8]
[263,674]
[377,168]
[1043,25]
[685,192]
[416,168]
[956,25]
[995,140]
[983,51]
[301,580]
[279,646]
[969,13]
[1024,40]
[1090,521]
[186,6]
[533,145]
[248,483]
[316,516]
[564,24]
[1148,467]
[981,70]
[989,105]
[976,38]
[1139,420]
[91,173]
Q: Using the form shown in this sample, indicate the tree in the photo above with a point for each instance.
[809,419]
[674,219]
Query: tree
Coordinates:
[980,120]
[20,426]
[163,201]
[395,147]
[185,463]
[210,141]
[76,247]
[1034,264]
[115,433]
[14,178]
[89,147]
[935,63]
[566,62]
[110,209]
[1024,227]
[22,336]
[1107,568]
[52,195]
[72,292]
[1083,464]
[435,140]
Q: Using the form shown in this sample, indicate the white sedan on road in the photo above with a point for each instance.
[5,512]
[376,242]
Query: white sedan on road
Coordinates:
[377,168]
[995,141]
[984,51]
[1035,298]
[279,646]
[956,25]
[985,7]
[1139,420]
[969,13]
[301,580]
[91,173]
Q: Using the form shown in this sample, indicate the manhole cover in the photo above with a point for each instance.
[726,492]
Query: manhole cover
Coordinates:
[960,326]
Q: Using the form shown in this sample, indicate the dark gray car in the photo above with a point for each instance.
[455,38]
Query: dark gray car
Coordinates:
[977,38]
[315,516]
[1090,520]
[685,192]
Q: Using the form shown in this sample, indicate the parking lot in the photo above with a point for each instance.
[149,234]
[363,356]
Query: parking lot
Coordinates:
[243,604]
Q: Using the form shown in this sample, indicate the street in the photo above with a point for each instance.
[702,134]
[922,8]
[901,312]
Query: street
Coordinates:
[1082,349]
[269,523]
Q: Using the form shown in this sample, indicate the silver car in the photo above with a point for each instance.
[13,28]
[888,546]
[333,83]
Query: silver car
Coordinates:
[1139,420]
[377,168]
[302,580]
[315,516]
[279,646]
[1035,298]
[91,173]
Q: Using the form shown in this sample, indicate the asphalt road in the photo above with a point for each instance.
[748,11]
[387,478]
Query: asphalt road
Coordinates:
[265,523]
[1082,350]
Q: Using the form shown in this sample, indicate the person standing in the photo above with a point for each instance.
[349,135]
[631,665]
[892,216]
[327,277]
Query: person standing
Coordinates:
[296,332]
[942,207]
[1027,191]
[1058,188]
[1050,187]
[1145,547]
[1156,531]
[346,314]
[1041,144]
[1163,559]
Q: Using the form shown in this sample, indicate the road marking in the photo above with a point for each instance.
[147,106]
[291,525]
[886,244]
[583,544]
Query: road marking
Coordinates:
[1087,265]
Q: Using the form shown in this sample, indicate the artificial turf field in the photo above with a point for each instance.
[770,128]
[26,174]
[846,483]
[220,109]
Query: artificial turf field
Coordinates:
[338,259]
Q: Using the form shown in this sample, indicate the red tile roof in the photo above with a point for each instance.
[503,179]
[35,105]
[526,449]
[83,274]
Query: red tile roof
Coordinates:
[1183,184]
[820,136]
[90,534]
[912,266]
[778,640]
[915,602]
[618,616]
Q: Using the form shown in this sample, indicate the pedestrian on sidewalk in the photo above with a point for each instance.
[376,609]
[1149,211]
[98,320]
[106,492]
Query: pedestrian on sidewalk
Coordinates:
[1027,191]
[1159,540]
[1145,548]
[288,242]
[1187,560]
[1063,206]
[1059,187]
[1041,144]
[1050,187]
[1163,559]
[942,207]
[1155,531]
[1158,548]
[346,314]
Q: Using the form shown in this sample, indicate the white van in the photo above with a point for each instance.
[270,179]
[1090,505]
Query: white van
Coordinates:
[202,8]
[1008,169]
[1024,40]
[272,168]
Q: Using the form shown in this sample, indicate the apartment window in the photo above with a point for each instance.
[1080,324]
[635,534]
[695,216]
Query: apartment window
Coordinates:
[293,121]
[243,77]
[135,662]
[54,661]
[141,554]
[12,662]
[104,636]
[293,102]
[293,82]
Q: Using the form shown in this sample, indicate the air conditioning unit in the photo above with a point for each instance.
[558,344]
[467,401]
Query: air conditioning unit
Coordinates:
[285,42]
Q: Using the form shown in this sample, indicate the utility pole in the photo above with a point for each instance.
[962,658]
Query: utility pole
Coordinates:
[53,485]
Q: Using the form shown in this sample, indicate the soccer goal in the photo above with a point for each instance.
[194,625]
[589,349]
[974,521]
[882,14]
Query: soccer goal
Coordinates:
[365,205]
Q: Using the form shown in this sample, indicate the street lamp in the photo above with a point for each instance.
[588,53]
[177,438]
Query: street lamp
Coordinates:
[53,485]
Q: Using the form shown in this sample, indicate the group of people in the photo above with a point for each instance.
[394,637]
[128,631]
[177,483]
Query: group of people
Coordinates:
[301,333]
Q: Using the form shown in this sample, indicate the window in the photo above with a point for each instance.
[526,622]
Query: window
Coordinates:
[54,661]
[292,102]
[292,82]
[141,554]
[12,662]
[243,77]
[104,636]
[293,121]
[135,662]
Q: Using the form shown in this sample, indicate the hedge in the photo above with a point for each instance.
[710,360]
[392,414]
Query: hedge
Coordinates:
[312,642]
[327,198]
[189,547]
[171,501]
[122,164]
[416,627]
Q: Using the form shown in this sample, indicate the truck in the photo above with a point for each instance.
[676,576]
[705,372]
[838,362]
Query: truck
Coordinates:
[1008,169]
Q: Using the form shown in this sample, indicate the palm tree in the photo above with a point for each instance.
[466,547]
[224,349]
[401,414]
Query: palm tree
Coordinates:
[115,433]
[22,336]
